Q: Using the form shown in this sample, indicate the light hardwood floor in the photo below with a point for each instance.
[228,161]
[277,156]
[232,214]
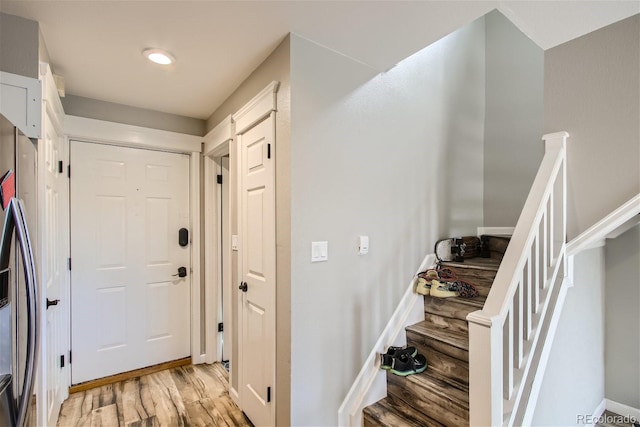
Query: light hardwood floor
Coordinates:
[193,395]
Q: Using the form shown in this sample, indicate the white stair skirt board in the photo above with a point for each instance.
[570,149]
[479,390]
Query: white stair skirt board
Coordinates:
[622,409]
[598,411]
[371,383]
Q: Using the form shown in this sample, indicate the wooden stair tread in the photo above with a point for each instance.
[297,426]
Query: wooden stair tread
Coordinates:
[430,330]
[388,412]
[432,395]
[479,263]
[477,302]
[435,382]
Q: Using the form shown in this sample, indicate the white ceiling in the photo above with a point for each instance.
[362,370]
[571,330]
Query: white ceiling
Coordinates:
[97,45]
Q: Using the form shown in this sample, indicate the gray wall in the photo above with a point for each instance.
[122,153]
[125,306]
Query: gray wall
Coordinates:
[513,119]
[118,113]
[592,87]
[19,43]
[275,67]
[574,380]
[376,155]
[622,319]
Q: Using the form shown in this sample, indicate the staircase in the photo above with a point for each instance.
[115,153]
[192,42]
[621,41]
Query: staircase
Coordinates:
[440,395]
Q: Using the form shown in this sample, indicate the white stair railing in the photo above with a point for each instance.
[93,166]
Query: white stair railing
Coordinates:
[507,337]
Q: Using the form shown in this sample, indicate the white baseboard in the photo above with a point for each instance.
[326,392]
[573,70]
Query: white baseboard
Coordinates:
[234,395]
[197,360]
[371,383]
[598,411]
[622,409]
[499,231]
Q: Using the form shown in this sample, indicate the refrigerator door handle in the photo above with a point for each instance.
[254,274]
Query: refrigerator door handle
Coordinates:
[16,219]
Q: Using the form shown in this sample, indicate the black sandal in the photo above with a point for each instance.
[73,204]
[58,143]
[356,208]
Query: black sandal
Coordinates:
[386,360]
[405,365]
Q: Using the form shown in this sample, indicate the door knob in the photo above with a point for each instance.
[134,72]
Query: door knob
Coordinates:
[50,303]
[243,286]
[182,272]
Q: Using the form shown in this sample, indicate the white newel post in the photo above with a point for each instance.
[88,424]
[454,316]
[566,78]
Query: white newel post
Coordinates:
[485,370]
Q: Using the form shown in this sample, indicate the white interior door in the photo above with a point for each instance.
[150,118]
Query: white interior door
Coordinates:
[257,213]
[129,310]
[55,274]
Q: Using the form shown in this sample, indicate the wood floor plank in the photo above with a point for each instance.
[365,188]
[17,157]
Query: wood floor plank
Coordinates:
[106,416]
[182,396]
[133,410]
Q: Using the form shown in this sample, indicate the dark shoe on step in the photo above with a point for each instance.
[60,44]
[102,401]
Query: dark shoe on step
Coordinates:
[405,364]
[386,360]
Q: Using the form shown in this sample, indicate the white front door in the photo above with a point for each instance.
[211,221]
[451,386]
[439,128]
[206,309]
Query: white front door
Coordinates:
[258,267]
[129,307]
[55,245]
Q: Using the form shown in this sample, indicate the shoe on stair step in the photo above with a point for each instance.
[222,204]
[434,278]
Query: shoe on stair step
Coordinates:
[443,290]
[423,286]
[457,288]
[386,360]
[405,364]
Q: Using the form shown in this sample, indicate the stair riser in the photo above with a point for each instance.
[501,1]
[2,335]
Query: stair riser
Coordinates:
[449,323]
[453,308]
[498,246]
[425,344]
[482,278]
[428,403]
[443,363]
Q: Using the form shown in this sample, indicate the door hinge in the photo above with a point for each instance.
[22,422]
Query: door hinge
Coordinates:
[219,179]
[268,151]
[60,166]
[69,171]
[220,327]
[62,360]
[69,263]
[268,394]
[69,357]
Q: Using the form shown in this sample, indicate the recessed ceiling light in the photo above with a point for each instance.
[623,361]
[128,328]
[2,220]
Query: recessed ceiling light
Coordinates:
[159,56]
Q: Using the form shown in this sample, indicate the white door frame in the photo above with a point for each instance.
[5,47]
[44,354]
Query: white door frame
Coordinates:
[101,132]
[221,141]
[217,144]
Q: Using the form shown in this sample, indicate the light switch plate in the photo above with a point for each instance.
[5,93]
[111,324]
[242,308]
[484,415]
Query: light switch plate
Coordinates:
[319,251]
[363,245]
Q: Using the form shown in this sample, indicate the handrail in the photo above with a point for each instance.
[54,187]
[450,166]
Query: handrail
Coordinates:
[506,337]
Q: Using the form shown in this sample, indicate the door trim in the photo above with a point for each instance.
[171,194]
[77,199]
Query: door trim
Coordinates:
[101,132]
[218,143]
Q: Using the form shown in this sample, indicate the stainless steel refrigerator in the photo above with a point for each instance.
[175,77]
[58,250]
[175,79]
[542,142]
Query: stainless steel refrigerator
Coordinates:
[19,328]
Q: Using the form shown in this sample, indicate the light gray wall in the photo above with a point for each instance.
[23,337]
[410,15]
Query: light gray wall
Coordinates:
[395,156]
[275,67]
[592,87]
[574,380]
[622,319]
[19,45]
[513,124]
[119,113]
